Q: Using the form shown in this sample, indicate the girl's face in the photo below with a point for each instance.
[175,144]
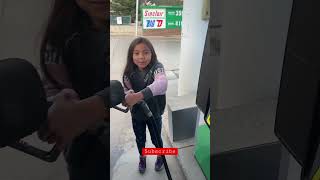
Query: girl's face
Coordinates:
[96,9]
[141,56]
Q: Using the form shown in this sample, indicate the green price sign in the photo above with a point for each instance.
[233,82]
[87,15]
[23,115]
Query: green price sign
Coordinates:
[174,17]
[161,17]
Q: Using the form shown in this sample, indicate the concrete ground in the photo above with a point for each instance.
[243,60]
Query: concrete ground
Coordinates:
[124,154]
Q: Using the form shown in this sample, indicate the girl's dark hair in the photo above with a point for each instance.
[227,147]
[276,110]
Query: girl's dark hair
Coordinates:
[130,66]
[65,19]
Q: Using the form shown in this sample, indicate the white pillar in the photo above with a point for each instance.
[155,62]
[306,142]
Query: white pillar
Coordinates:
[137,18]
[194,31]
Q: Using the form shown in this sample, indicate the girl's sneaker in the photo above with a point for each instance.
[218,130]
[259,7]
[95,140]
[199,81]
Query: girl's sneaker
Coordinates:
[142,164]
[159,163]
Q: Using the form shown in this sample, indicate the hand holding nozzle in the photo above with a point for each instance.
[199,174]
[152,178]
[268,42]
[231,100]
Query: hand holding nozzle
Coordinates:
[60,114]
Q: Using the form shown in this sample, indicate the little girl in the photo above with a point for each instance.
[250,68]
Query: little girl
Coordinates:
[144,79]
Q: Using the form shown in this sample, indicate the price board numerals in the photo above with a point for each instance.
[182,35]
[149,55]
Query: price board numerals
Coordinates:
[178,23]
[178,13]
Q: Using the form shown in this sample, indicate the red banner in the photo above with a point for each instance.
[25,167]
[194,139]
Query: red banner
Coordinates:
[160,151]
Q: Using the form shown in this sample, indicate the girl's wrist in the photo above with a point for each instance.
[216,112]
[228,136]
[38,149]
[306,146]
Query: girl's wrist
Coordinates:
[91,110]
[139,96]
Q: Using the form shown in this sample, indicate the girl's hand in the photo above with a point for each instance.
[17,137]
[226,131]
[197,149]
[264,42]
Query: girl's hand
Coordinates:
[130,91]
[68,95]
[124,103]
[68,117]
[133,98]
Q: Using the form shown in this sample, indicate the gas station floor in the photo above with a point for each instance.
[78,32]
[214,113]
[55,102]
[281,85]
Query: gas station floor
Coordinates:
[127,165]
[186,158]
